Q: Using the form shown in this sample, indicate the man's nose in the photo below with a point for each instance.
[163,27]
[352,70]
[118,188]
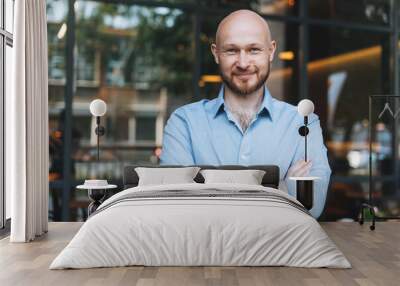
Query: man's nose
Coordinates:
[243,61]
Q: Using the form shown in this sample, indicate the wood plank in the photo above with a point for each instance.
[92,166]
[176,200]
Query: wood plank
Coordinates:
[375,257]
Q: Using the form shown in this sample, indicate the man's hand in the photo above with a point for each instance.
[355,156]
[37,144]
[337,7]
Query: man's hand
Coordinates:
[299,169]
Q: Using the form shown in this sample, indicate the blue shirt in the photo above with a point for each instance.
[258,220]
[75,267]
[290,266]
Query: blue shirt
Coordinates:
[206,133]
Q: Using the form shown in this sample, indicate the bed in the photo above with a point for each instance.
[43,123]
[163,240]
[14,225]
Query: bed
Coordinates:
[198,224]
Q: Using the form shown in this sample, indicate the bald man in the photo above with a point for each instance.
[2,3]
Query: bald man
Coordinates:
[245,125]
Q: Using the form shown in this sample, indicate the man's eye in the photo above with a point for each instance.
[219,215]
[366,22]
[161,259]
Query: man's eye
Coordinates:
[255,50]
[231,52]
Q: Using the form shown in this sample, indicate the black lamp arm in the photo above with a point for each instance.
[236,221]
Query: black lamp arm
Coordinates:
[303,131]
[100,131]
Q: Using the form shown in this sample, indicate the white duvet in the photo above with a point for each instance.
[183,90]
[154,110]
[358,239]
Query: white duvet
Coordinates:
[183,231]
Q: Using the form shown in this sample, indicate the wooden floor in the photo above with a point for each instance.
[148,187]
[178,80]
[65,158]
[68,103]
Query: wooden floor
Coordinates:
[374,255]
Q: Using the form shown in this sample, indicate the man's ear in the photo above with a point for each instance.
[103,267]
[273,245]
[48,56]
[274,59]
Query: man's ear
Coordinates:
[272,50]
[214,52]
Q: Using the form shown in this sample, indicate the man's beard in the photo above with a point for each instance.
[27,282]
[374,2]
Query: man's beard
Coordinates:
[245,91]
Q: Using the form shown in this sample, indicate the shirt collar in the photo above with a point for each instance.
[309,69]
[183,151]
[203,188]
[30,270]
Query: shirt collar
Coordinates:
[219,102]
[266,104]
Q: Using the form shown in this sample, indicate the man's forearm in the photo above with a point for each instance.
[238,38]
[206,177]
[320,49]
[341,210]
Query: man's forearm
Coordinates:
[320,193]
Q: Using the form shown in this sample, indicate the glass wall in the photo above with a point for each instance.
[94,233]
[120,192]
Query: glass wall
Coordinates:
[369,12]
[146,60]
[345,67]
[56,36]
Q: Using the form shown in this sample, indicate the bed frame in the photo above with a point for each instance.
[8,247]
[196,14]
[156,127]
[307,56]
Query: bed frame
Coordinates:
[270,179]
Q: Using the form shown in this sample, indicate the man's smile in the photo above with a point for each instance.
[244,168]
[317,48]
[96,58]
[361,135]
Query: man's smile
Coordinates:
[244,76]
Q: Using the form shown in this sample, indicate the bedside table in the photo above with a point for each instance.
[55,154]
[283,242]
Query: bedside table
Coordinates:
[96,193]
[305,190]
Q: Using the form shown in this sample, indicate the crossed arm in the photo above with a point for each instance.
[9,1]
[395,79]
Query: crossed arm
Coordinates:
[177,145]
[317,165]
[177,150]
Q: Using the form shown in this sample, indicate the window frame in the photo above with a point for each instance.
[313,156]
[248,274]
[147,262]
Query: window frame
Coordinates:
[6,39]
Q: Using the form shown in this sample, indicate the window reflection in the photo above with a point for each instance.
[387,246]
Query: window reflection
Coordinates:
[138,60]
[283,82]
[359,11]
[210,80]
[384,120]
[277,7]
[345,68]
[56,38]
[144,61]
[9,15]
[56,31]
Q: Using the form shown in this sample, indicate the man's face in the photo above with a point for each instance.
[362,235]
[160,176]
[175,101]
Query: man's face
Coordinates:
[244,53]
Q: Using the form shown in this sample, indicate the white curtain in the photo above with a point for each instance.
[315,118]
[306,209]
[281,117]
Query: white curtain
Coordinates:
[27,156]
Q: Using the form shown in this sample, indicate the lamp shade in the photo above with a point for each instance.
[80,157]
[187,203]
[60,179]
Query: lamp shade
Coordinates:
[305,107]
[98,107]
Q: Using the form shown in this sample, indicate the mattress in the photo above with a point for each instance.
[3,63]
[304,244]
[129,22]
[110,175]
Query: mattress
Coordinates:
[201,225]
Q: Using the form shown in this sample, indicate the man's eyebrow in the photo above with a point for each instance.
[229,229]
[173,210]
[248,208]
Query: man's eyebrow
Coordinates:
[229,45]
[226,46]
[255,44]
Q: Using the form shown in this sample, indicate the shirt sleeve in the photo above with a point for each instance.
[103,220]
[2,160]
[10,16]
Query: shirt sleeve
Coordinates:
[317,153]
[177,145]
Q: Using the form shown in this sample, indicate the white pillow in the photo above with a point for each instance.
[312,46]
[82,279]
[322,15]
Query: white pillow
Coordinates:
[248,177]
[163,176]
